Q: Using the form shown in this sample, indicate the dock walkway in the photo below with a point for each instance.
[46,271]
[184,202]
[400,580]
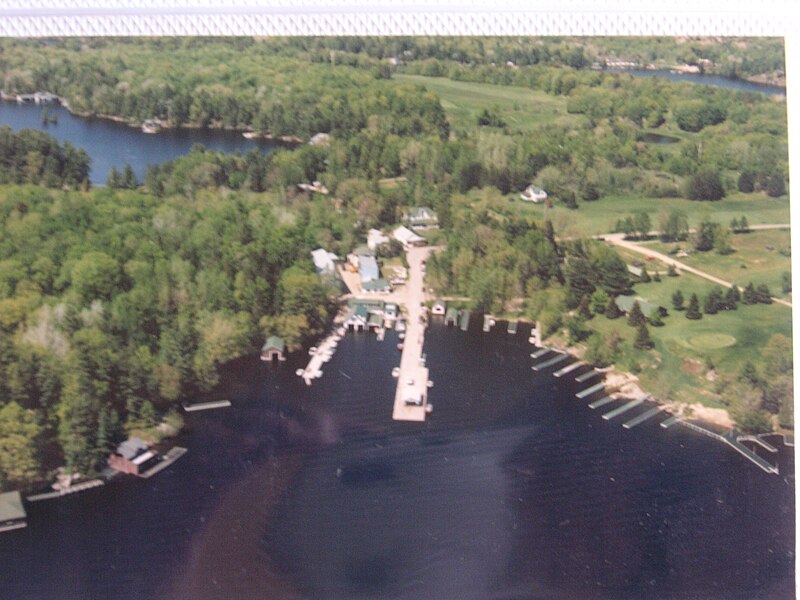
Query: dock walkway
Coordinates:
[568,368]
[169,458]
[206,405]
[73,489]
[642,417]
[730,438]
[314,368]
[624,408]
[553,361]
[586,376]
[602,402]
[411,395]
[540,353]
[590,390]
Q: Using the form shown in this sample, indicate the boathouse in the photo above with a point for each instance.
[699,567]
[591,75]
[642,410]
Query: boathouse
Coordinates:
[12,513]
[273,348]
[451,318]
[357,318]
[131,456]
[439,308]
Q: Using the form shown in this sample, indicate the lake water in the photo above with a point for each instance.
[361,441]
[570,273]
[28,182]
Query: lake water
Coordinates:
[713,80]
[109,143]
[513,488]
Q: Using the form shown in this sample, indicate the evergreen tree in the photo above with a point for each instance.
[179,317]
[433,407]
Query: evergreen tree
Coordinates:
[711,304]
[705,185]
[612,310]
[657,277]
[744,226]
[584,312]
[129,178]
[599,302]
[763,294]
[656,320]
[786,282]
[671,271]
[731,298]
[693,311]
[734,226]
[746,182]
[113,180]
[735,293]
[677,300]
[645,276]
[749,295]
[749,374]
[776,186]
[636,316]
[643,341]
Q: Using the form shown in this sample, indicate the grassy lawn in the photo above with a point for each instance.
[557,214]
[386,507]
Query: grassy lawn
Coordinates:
[522,109]
[592,218]
[675,369]
[751,261]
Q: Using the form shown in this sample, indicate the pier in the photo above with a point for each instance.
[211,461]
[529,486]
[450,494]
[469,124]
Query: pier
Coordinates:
[73,489]
[512,327]
[586,376]
[670,422]
[642,417]
[323,354]
[756,439]
[621,409]
[731,438]
[411,396]
[206,405]
[169,458]
[602,402]
[464,320]
[590,390]
[540,353]
[553,361]
[568,369]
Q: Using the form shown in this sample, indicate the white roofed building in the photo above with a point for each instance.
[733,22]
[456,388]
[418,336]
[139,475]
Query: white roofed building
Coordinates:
[407,237]
[324,261]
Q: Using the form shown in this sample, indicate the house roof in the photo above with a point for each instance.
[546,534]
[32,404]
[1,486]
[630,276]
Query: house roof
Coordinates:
[625,304]
[406,236]
[368,269]
[635,271]
[361,311]
[375,285]
[274,342]
[374,303]
[364,251]
[131,447]
[452,313]
[421,213]
[323,260]
[11,507]
[375,319]
[441,303]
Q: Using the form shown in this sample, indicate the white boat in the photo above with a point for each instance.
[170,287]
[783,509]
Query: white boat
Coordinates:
[299,372]
[250,135]
[312,351]
[429,408]
[396,372]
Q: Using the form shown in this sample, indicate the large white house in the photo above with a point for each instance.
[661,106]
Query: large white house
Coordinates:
[324,261]
[533,194]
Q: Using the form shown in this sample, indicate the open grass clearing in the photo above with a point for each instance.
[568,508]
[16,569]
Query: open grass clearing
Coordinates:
[759,256]
[523,109]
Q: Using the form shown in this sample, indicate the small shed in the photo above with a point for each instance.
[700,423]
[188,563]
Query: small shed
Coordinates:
[533,194]
[130,456]
[12,513]
[439,308]
[273,348]
[451,318]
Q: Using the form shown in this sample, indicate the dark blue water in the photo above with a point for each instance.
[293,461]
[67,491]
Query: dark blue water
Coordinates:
[713,80]
[109,143]
[513,488]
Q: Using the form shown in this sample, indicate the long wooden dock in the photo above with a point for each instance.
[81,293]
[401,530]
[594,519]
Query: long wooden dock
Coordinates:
[540,353]
[568,368]
[512,327]
[642,417]
[730,438]
[670,422]
[624,408]
[464,320]
[590,390]
[756,439]
[602,402]
[586,376]
[169,458]
[73,489]
[206,405]
[553,361]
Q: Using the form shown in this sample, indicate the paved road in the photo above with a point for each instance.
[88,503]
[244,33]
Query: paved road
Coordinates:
[618,239]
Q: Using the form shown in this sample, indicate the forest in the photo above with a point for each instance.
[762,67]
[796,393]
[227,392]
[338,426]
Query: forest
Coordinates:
[119,303]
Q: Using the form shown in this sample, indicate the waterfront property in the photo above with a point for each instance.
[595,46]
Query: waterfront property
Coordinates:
[12,513]
[273,348]
[132,456]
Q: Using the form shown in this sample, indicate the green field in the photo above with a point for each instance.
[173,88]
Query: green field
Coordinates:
[675,369]
[751,261]
[597,217]
[522,109]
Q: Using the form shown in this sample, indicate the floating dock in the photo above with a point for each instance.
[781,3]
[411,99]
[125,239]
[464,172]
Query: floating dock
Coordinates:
[568,368]
[73,489]
[488,323]
[206,405]
[540,353]
[642,417]
[590,390]
[756,439]
[586,376]
[671,421]
[512,327]
[621,409]
[464,320]
[169,458]
[553,361]
[314,368]
[602,402]
[731,438]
